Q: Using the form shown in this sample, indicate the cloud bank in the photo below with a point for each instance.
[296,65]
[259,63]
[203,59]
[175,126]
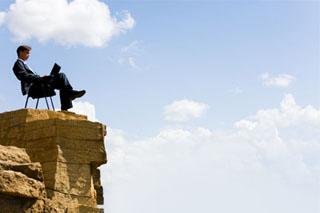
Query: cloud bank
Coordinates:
[85,108]
[77,22]
[282,80]
[184,110]
[268,162]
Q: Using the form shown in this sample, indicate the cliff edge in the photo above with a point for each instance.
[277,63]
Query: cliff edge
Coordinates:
[49,162]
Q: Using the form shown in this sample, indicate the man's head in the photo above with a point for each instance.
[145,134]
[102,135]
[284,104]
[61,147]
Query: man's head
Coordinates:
[23,52]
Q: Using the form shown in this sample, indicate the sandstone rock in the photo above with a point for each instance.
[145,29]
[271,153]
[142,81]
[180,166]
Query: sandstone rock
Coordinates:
[68,147]
[13,205]
[10,204]
[19,185]
[13,154]
[84,209]
[97,186]
[31,170]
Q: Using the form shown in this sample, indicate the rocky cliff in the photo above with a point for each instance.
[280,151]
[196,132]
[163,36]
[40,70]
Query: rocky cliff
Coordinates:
[49,162]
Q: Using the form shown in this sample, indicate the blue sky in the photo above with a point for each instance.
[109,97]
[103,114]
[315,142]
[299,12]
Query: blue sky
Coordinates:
[181,66]
[197,51]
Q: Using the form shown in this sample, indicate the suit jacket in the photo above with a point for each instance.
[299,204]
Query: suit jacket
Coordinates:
[25,75]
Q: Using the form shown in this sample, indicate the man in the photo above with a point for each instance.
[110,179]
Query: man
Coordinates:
[58,81]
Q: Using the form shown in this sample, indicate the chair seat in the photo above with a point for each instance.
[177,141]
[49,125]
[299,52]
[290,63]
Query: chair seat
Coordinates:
[40,90]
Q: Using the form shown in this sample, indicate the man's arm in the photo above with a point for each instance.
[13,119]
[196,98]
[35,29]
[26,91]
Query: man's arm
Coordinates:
[22,74]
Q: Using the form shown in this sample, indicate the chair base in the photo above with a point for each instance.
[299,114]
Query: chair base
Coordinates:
[26,104]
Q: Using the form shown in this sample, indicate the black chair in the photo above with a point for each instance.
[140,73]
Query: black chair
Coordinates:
[40,90]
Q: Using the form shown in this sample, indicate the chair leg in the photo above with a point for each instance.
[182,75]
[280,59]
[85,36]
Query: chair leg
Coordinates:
[47,103]
[26,104]
[37,103]
[52,104]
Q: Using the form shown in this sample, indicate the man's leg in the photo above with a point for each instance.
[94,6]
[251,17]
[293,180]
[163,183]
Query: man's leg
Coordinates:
[61,82]
[67,94]
[65,101]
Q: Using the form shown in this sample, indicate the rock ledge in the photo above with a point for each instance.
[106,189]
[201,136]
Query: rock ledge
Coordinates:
[49,162]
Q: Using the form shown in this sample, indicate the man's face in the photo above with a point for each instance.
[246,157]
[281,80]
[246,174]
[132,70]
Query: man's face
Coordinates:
[24,55]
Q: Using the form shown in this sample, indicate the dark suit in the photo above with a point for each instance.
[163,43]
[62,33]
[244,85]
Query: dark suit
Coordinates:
[25,75]
[59,81]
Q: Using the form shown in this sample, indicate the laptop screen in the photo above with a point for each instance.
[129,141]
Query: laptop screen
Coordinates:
[55,69]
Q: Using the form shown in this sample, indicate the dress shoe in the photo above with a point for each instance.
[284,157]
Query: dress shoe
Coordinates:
[76,94]
[65,108]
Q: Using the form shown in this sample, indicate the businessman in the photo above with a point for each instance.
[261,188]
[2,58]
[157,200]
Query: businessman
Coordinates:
[57,81]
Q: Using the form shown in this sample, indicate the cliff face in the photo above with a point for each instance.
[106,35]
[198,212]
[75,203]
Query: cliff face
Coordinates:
[68,148]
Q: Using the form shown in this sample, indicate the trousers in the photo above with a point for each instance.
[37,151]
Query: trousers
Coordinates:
[61,83]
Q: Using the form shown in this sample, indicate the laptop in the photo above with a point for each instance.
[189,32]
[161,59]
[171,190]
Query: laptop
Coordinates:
[55,69]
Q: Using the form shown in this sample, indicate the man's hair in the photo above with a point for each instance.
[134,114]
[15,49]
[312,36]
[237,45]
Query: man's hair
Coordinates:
[23,48]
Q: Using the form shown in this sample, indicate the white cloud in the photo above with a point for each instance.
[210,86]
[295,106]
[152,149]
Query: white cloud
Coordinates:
[133,48]
[85,108]
[236,91]
[129,55]
[132,62]
[77,22]
[288,114]
[268,162]
[184,110]
[281,80]
[245,124]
